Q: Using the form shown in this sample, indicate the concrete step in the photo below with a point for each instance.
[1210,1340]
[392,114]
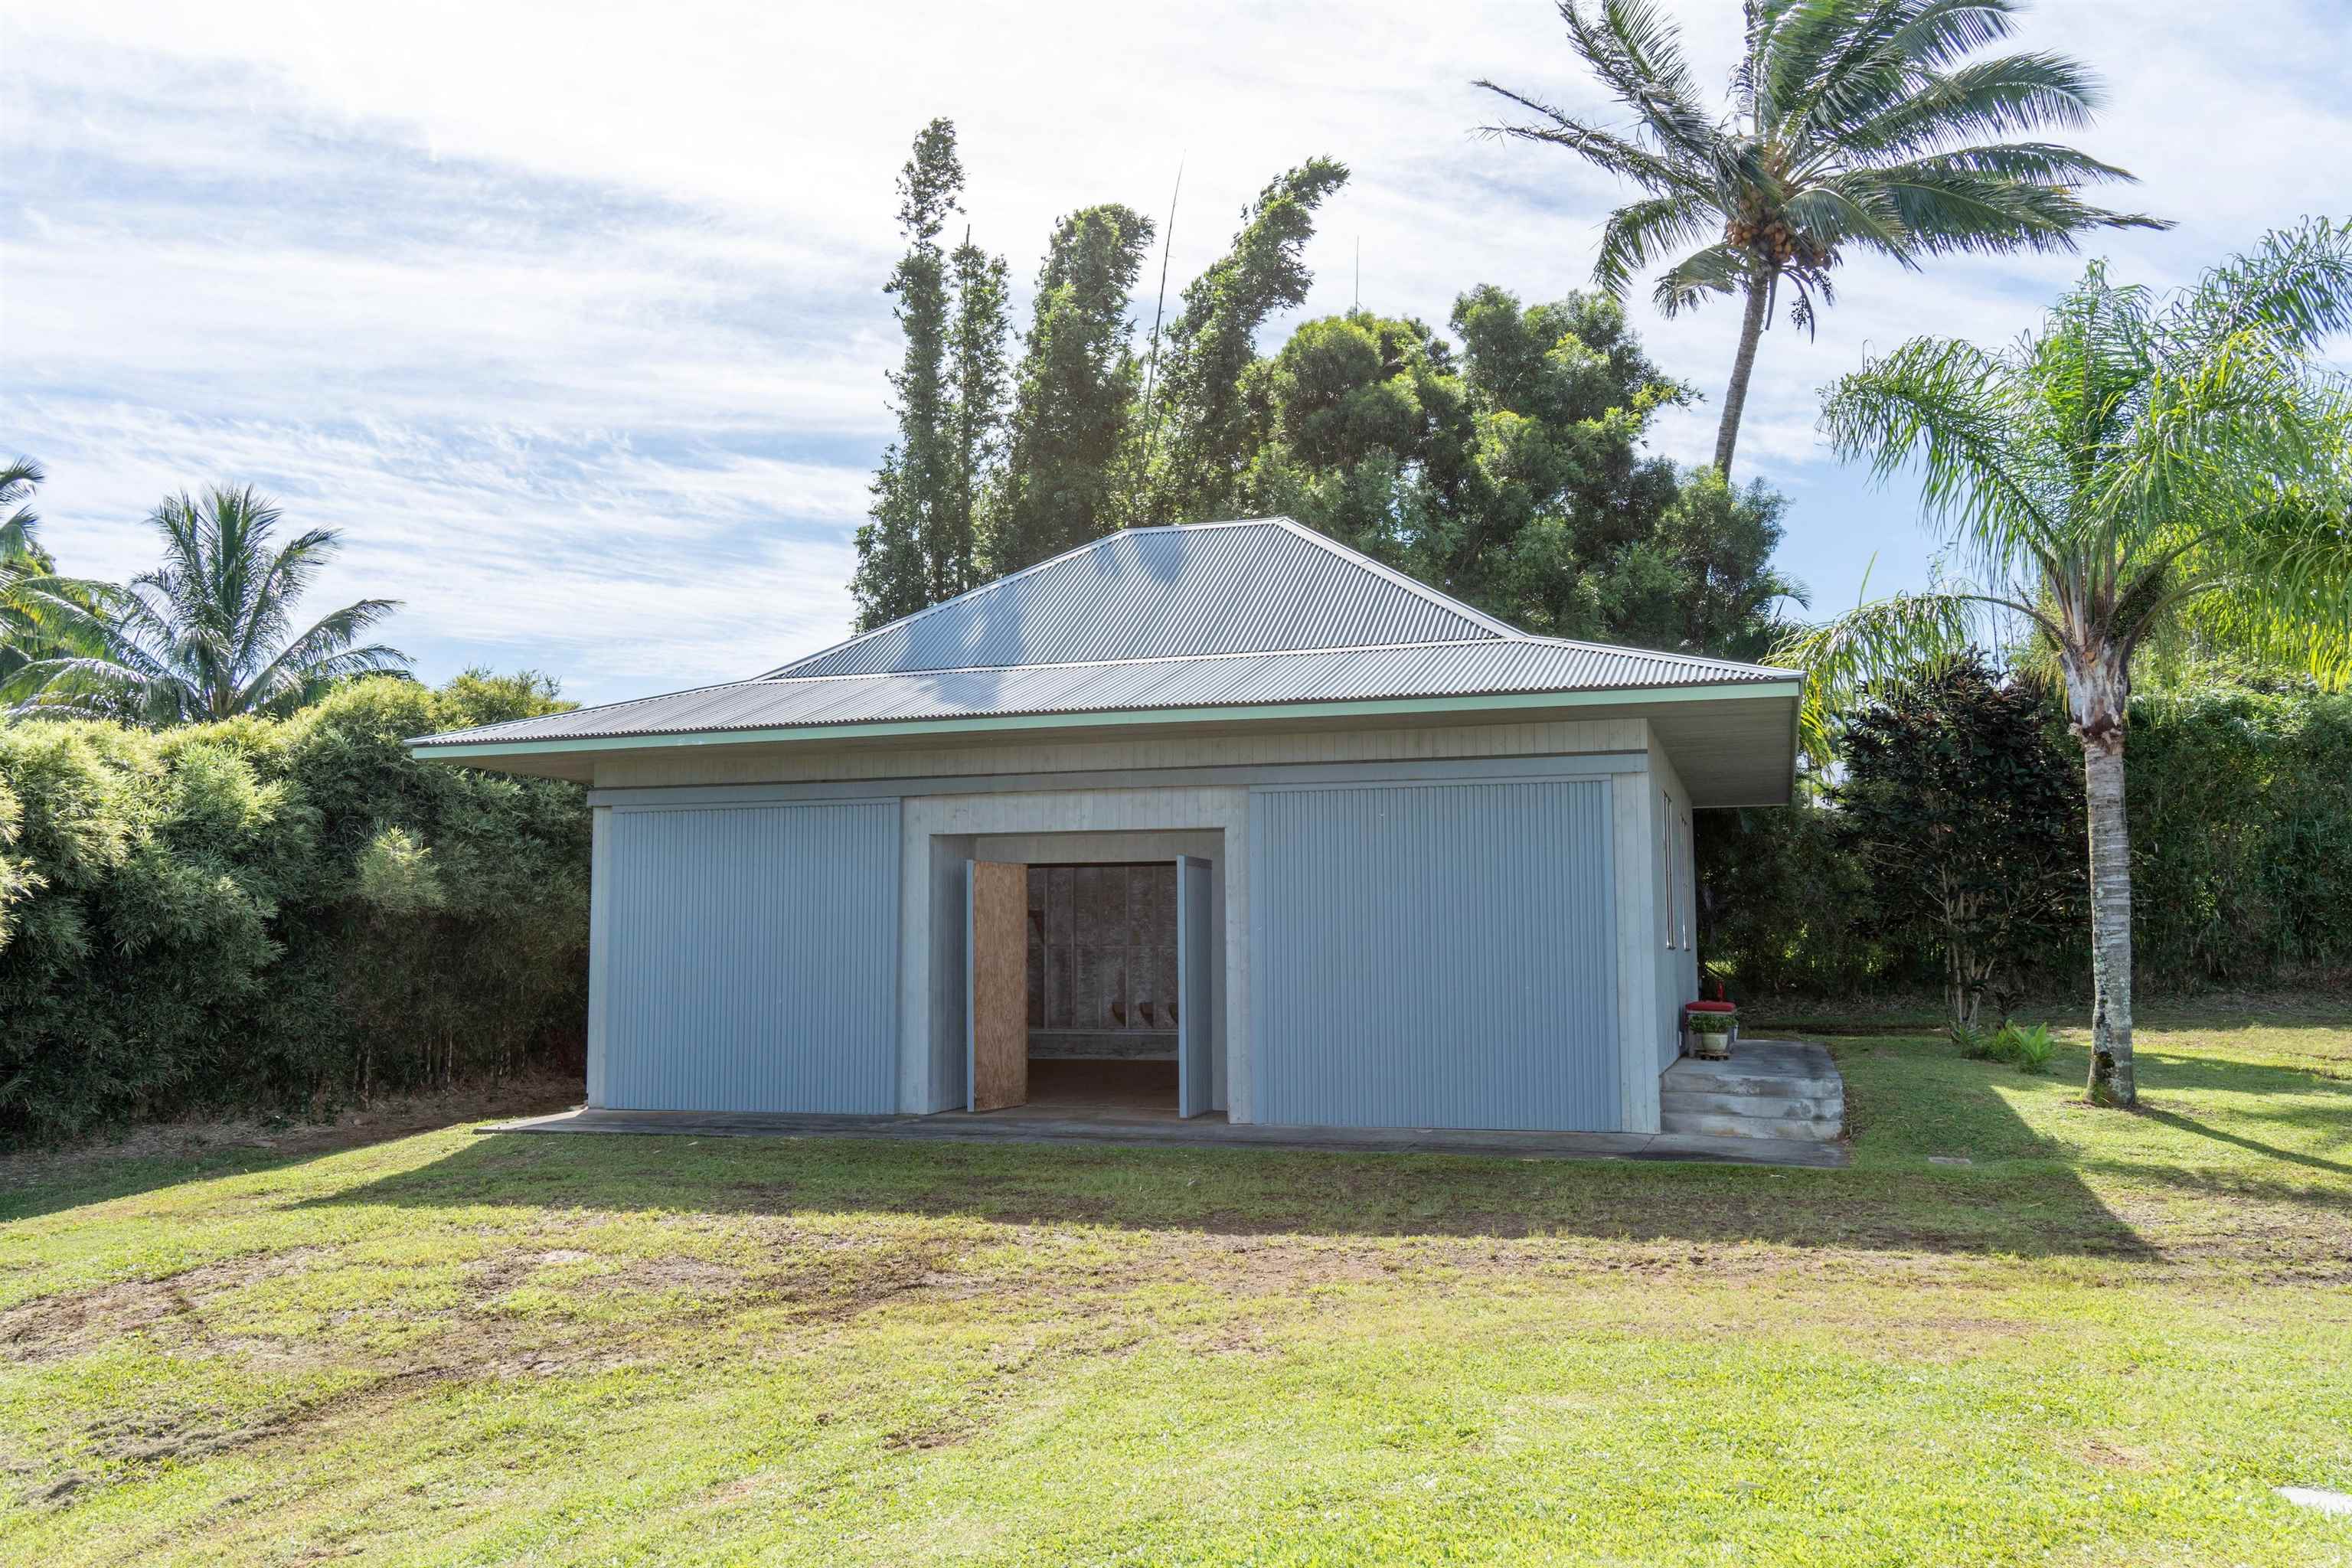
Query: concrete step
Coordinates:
[1803,1107]
[1707,1077]
[1717,1124]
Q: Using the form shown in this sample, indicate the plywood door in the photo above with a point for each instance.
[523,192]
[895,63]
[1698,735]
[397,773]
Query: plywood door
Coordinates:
[996,983]
[1195,1017]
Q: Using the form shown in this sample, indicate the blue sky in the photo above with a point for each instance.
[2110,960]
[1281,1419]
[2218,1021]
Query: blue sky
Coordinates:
[572,321]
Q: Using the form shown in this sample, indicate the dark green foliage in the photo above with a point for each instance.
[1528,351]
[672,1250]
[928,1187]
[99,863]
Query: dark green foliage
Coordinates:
[1073,412]
[916,490]
[263,912]
[1203,435]
[1511,476]
[2240,812]
[2242,860]
[1969,819]
[1783,911]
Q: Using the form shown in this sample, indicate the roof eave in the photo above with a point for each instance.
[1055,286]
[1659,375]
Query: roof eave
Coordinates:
[485,750]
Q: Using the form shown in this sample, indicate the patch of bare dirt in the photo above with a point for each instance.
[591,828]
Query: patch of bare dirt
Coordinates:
[2110,1456]
[81,1321]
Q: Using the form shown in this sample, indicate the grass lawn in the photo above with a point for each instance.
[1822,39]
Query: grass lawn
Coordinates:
[2104,1341]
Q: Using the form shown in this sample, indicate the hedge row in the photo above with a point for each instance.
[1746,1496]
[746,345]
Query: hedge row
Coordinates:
[2241,809]
[267,912]
[280,913]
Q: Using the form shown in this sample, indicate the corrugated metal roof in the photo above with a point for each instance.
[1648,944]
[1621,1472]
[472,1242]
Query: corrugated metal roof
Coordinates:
[1146,592]
[1202,616]
[1516,664]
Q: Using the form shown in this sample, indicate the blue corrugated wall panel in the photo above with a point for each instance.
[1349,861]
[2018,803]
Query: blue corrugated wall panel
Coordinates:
[753,958]
[1439,955]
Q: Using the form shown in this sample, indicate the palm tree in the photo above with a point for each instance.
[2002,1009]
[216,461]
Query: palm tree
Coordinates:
[208,634]
[1855,124]
[25,568]
[2137,470]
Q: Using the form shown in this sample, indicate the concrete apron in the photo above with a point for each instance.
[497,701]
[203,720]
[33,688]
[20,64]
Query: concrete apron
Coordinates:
[1199,1132]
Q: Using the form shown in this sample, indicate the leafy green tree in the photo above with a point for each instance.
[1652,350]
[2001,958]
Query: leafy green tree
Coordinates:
[2137,468]
[1510,475]
[917,488]
[210,634]
[1953,798]
[1202,434]
[1074,410]
[977,388]
[1856,124]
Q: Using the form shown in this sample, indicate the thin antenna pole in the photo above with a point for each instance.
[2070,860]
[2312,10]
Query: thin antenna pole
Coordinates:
[1152,370]
[1359,276]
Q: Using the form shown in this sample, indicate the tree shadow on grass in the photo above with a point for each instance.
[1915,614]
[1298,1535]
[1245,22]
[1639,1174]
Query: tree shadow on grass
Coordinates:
[40,1181]
[2029,1209]
[2316,1116]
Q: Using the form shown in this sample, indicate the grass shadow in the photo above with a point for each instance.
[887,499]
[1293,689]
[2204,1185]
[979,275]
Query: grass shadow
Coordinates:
[40,1181]
[2256,1146]
[2018,1208]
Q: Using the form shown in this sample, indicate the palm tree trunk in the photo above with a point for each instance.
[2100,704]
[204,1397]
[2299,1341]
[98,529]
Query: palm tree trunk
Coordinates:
[1735,398]
[2111,1082]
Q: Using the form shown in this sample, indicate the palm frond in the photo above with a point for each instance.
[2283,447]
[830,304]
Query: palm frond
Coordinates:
[1954,410]
[325,651]
[1950,209]
[2295,285]
[2004,96]
[2277,588]
[1847,658]
[1718,269]
[1602,149]
[1636,51]
[1637,234]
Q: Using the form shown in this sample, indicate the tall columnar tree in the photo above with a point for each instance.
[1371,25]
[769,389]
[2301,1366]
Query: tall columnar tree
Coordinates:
[1075,406]
[976,390]
[1855,125]
[210,633]
[2135,470]
[917,488]
[1200,432]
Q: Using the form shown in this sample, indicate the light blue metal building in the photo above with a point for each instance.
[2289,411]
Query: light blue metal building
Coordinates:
[1219,818]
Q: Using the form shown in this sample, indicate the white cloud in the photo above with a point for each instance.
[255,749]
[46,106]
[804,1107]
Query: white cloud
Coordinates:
[570,315]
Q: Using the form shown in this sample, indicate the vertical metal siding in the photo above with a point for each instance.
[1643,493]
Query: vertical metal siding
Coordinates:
[1439,955]
[752,956]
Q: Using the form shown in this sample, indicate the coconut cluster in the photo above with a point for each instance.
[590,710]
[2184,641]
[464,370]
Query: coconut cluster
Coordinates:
[1774,237]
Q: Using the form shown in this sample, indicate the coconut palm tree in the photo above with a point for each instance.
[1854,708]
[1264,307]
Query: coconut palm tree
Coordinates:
[1855,125]
[25,567]
[209,633]
[2137,470]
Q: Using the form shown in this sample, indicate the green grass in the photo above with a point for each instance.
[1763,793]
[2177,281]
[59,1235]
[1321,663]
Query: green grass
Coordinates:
[2105,1339]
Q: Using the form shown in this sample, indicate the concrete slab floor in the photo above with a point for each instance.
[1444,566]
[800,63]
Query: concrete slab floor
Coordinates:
[1049,1124]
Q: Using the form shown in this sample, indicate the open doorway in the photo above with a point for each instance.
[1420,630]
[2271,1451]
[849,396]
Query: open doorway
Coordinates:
[1101,984]
[1089,987]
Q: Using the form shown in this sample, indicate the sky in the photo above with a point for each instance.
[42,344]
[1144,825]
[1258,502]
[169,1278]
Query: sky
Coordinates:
[570,317]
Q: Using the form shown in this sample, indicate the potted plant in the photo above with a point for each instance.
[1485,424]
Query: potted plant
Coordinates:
[1709,1028]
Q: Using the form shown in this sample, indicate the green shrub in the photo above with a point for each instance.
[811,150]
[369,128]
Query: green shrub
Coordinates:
[1975,1044]
[265,913]
[2029,1050]
[2241,817]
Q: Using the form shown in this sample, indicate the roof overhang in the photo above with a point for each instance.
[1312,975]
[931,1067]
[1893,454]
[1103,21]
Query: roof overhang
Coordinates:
[1734,743]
